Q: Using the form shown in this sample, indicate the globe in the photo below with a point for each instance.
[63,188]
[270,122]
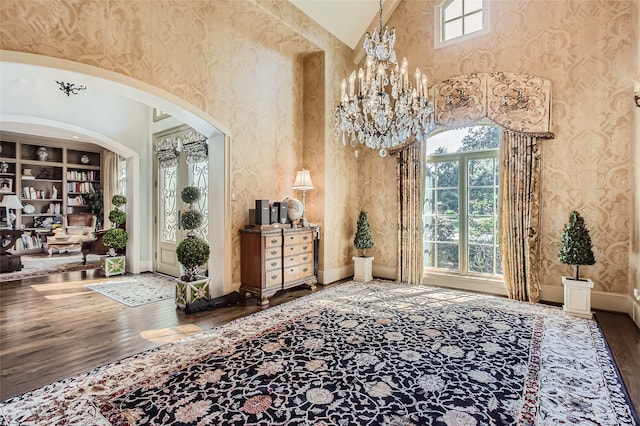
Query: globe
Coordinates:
[294,209]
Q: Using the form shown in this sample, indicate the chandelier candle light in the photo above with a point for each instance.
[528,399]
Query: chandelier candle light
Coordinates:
[382,110]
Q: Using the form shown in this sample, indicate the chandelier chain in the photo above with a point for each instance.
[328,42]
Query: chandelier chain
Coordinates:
[382,109]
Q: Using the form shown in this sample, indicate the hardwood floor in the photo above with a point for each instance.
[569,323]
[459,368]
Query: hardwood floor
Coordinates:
[52,328]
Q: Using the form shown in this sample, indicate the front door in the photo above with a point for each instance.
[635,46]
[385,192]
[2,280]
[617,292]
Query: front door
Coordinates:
[174,170]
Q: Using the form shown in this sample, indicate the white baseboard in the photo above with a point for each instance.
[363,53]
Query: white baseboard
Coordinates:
[614,302]
[328,276]
[636,312]
[384,272]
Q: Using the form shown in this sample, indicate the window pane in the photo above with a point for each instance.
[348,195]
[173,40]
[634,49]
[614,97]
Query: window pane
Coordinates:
[447,201]
[453,10]
[447,174]
[448,228]
[498,261]
[430,175]
[429,228]
[481,201]
[481,172]
[429,255]
[447,255]
[481,230]
[473,23]
[453,29]
[472,5]
[481,258]
[430,202]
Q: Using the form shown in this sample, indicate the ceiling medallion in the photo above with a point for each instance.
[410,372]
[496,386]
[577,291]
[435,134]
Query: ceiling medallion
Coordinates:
[381,108]
[70,88]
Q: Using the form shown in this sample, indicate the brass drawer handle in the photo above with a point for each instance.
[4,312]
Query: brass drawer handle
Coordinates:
[305,248]
[274,240]
[306,237]
[305,257]
[273,277]
[274,252]
[274,263]
[305,269]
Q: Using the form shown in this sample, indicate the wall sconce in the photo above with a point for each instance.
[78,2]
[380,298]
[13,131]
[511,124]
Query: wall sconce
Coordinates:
[303,183]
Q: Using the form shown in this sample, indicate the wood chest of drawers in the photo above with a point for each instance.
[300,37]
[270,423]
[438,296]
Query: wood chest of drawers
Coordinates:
[277,259]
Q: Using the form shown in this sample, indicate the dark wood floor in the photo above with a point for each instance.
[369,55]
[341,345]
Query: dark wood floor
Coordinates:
[52,328]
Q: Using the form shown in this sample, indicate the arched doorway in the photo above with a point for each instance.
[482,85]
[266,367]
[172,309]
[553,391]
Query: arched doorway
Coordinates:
[115,112]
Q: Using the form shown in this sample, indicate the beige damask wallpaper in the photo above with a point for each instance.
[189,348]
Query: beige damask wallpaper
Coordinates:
[587,49]
[271,76]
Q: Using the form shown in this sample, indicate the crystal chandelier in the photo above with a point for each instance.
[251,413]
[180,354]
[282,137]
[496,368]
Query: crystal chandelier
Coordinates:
[381,109]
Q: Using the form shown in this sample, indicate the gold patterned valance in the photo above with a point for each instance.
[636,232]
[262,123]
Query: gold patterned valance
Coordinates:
[516,102]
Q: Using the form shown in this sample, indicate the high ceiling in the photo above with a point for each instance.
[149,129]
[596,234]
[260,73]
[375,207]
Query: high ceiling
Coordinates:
[348,20]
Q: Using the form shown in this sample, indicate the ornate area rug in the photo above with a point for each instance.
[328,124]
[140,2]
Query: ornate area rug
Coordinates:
[357,354]
[41,265]
[136,290]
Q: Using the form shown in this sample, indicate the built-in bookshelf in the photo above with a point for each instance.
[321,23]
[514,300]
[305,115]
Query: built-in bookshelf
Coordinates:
[51,177]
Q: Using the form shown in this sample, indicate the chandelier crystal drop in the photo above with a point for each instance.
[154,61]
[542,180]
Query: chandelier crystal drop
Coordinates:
[379,107]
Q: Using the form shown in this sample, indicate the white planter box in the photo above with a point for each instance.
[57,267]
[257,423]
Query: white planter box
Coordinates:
[362,269]
[190,291]
[577,297]
[112,265]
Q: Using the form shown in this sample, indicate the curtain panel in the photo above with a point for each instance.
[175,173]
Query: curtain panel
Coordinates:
[410,227]
[519,214]
[521,105]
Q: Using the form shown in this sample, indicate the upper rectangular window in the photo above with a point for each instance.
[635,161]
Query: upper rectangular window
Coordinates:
[458,20]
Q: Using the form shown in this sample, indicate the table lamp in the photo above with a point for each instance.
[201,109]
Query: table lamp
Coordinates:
[11,202]
[303,183]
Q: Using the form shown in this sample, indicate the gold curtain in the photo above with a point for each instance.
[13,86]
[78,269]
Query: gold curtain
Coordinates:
[410,228]
[519,214]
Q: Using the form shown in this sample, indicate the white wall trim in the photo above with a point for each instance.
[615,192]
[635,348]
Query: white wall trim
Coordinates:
[328,276]
[635,313]
[384,272]
[614,302]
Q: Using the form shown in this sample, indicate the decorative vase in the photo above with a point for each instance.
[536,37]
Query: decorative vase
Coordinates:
[191,291]
[362,268]
[577,297]
[112,265]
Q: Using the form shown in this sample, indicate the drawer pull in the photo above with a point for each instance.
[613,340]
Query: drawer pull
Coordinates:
[273,277]
[305,248]
[305,269]
[274,263]
[274,240]
[306,237]
[305,257]
[274,252]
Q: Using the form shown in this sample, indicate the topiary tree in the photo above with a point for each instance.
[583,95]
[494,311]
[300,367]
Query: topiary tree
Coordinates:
[576,244]
[363,240]
[116,238]
[192,251]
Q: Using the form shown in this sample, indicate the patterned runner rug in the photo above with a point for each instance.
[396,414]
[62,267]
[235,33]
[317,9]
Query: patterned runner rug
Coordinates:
[136,290]
[357,354]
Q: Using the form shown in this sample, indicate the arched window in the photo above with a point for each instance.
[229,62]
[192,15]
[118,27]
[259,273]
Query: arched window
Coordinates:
[461,202]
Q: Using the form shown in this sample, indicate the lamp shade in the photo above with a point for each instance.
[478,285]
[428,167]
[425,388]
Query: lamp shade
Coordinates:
[11,202]
[303,180]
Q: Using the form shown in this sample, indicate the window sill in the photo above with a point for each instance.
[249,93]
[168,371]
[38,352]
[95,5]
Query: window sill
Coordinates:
[486,285]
